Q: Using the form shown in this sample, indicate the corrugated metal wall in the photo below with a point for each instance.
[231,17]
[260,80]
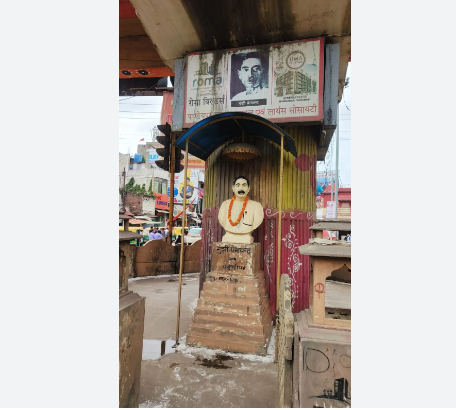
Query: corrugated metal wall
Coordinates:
[299,206]
[264,173]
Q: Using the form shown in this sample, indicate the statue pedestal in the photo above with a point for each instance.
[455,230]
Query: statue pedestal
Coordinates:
[237,238]
[233,311]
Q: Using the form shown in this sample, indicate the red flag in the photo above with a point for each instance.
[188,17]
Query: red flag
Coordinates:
[142,139]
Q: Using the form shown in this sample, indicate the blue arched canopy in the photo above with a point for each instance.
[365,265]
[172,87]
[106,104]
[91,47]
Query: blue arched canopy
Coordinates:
[208,134]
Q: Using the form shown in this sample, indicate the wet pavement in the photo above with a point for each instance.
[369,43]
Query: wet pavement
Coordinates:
[161,304]
[195,377]
[154,349]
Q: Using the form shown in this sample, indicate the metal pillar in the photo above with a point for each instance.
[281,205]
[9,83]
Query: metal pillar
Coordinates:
[279,248]
[184,223]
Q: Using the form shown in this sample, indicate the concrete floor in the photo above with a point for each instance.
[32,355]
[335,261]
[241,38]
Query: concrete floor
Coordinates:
[161,303]
[189,376]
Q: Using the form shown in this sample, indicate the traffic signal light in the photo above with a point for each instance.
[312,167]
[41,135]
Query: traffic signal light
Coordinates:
[179,156]
[164,152]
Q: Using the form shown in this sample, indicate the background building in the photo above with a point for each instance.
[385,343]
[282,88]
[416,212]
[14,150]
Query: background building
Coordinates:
[344,202]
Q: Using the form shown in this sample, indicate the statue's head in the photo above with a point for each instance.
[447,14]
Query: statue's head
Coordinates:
[241,186]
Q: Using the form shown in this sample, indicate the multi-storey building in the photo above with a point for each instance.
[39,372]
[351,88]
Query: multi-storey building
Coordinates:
[295,82]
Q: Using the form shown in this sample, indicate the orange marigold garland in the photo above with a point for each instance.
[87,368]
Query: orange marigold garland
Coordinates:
[242,211]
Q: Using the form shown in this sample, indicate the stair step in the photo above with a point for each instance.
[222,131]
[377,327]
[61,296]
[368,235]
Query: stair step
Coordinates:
[218,308]
[252,323]
[233,297]
[228,287]
[227,333]
[228,345]
[238,308]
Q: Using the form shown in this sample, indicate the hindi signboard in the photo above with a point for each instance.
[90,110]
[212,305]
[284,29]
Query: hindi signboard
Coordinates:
[153,156]
[281,82]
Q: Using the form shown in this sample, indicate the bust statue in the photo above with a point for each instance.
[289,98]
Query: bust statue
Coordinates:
[240,216]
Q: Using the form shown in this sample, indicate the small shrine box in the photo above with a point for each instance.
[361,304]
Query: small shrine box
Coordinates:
[343,226]
[330,278]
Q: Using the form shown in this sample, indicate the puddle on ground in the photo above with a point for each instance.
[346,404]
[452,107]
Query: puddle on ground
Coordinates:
[154,349]
[216,363]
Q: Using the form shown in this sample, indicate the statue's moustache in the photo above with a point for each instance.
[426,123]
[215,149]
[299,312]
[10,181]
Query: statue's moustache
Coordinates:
[241,192]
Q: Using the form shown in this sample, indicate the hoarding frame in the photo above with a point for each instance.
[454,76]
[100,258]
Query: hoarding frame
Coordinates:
[284,120]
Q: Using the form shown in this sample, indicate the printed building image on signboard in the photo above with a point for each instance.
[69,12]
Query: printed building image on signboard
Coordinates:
[249,79]
[281,82]
[297,78]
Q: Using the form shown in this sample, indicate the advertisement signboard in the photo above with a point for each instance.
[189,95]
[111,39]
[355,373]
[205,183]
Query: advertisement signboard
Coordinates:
[331,209]
[281,82]
[166,114]
[194,162]
[192,182]
[153,156]
[325,178]
[161,201]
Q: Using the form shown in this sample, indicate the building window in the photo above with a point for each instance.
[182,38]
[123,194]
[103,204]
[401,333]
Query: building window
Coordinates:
[160,186]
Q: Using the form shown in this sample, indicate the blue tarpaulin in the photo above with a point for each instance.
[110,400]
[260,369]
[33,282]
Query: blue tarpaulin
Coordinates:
[208,134]
[138,158]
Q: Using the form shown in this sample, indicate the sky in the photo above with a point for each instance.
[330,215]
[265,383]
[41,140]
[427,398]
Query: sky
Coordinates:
[138,116]
[344,140]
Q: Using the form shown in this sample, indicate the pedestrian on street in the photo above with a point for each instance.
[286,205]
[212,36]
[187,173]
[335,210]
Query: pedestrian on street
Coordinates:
[166,232]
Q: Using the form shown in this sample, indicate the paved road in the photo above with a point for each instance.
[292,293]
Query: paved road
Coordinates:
[161,304]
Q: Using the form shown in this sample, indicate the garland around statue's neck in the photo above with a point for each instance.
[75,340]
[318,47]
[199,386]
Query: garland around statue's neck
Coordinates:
[240,214]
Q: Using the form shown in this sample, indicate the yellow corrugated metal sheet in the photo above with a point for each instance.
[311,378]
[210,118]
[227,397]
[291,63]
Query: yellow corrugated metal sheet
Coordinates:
[264,173]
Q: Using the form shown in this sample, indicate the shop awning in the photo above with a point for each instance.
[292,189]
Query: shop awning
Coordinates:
[136,221]
[208,134]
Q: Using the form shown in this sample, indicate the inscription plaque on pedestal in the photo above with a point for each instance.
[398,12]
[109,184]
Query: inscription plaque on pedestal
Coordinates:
[236,258]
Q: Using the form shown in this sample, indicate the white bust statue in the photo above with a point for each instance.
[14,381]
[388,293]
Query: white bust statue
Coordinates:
[240,216]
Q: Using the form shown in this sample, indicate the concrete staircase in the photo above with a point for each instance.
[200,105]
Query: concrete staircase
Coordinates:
[233,309]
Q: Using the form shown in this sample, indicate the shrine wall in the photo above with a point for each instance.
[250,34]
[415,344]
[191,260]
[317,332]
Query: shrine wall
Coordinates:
[299,174]
[298,205]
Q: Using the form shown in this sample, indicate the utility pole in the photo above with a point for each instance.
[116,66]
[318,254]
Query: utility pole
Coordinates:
[336,199]
[123,193]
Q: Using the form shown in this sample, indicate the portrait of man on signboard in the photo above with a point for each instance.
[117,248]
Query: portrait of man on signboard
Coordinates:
[249,79]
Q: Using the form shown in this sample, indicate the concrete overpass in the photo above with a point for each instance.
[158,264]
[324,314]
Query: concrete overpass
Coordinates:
[153,33]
